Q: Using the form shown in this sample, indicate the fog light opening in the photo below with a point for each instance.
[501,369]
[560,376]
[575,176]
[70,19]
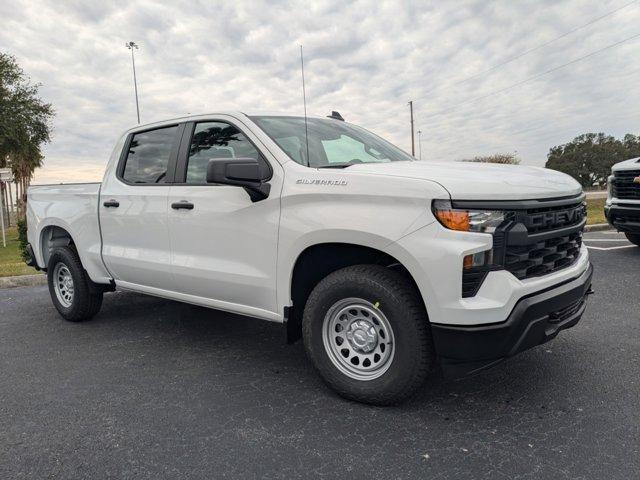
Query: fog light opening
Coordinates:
[480,259]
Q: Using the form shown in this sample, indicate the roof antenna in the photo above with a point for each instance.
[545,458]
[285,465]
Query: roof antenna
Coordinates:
[304,101]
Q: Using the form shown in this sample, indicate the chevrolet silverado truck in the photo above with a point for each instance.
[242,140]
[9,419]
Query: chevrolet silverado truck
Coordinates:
[622,207]
[389,268]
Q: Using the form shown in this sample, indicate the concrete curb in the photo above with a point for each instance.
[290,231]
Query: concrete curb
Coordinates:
[598,227]
[23,281]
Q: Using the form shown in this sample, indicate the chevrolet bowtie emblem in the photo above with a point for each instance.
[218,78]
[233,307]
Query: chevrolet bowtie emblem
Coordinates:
[636,180]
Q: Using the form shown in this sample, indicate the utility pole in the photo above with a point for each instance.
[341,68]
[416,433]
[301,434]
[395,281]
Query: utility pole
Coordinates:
[420,144]
[413,145]
[4,238]
[6,198]
[10,199]
[131,46]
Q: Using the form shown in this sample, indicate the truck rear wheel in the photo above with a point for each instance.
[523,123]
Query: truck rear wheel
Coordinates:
[633,238]
[367,333]
[73,293]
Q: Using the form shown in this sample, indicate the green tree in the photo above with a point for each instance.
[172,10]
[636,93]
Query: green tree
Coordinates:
[632,144]
[503,158]
[589,157]
[25,125]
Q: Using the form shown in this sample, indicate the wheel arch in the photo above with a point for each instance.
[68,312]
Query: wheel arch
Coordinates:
[317,261]
[51,237]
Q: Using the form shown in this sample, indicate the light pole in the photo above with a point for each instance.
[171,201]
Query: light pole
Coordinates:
[420,144]
[131,46]
[413,146]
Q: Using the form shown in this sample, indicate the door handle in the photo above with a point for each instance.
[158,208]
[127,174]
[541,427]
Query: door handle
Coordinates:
[182,205]
[111,204]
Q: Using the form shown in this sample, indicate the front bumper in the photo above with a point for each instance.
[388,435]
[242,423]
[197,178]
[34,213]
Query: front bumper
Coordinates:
[534,320]
[624,218]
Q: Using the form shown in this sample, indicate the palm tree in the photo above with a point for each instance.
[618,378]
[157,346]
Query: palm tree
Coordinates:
[23,164]
[24,126]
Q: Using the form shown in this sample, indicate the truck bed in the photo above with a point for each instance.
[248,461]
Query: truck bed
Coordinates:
[73,207]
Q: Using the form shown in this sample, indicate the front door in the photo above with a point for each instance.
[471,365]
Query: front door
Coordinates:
[223,245]
[133,210]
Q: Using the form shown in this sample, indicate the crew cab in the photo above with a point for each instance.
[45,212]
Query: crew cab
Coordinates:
[622,207]
[390,269]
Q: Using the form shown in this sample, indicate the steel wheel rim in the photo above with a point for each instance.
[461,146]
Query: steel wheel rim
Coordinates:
[63,284]
[358,339]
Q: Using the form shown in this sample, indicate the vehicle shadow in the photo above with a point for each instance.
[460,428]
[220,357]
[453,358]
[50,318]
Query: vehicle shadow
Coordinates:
[257,349]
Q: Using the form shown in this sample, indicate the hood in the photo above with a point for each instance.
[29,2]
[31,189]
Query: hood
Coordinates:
[481,181]
[631,164]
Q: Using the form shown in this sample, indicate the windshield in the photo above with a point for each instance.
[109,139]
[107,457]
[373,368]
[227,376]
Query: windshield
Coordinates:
[332,143]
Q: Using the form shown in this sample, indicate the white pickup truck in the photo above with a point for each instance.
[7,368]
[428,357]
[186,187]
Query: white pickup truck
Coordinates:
[622,207]
[388,267]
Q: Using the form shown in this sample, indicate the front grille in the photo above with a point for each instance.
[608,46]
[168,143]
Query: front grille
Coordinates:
[544,240]
[537,237]
[623,186]
[544,219]
[544,257]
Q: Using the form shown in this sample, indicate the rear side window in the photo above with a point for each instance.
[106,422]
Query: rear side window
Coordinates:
[148,156]
[212,140]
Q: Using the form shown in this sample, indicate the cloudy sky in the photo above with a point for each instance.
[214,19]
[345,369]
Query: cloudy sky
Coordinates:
[365,59]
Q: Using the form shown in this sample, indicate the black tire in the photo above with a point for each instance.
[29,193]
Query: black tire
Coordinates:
[87,296]
[396,298]
[633,238]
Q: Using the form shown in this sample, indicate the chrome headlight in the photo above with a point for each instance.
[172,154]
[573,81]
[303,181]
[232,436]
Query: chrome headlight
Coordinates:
[467,220]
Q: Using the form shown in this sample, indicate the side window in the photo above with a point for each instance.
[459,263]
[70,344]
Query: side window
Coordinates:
[213,140]
[148,156]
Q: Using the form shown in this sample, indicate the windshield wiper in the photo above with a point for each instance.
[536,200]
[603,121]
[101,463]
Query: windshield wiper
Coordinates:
[343,165]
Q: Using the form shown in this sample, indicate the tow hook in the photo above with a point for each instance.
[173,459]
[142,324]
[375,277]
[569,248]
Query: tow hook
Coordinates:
[589,292]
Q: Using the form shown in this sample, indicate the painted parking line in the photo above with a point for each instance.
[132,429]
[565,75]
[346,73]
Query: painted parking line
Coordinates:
[609,238]
[604,240]
[611,248]
[603,235]
[610,243]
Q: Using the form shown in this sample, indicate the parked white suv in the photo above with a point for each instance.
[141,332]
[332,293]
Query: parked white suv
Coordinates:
[387,266]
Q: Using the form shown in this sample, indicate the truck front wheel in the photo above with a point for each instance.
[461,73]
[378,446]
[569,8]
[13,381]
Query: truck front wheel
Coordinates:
[633,238]
[366,331]
[73,293]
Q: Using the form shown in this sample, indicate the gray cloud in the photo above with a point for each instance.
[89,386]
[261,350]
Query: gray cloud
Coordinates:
[365,59]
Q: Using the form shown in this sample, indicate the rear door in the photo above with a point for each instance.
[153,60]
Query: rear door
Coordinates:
[133,209]
[224,246]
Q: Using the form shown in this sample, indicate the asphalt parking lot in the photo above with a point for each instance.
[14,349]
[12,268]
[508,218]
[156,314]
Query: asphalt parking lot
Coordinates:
[157,389]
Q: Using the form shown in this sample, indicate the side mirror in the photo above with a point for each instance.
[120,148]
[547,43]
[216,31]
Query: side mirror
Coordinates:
[248,173]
